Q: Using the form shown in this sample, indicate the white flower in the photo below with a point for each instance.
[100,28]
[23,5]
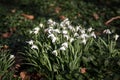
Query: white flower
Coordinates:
[82,31]
[70,27]
[116,37]
[77,28]
[54,39]
[36,30]
[56,30]
[30,42]
[71,39]
[50,31]
[63,48]
[84,35]
[64,31]
[34,47]
[51,22]
[66,36]
[65,44]
[51,36]
[55,52]
[90,29]
[107,31]
[93,35]
[62,24]
[41,25]
[84,41]
[12,56]
[76,35]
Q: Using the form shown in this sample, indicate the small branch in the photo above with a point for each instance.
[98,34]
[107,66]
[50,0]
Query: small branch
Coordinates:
[112,19]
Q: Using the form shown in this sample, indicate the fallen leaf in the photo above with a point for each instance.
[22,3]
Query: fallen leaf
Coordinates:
[83,70]
[5,47]
[62,17]
[30,17]
[96,16]
[57,10]
[6,35]
[23,74]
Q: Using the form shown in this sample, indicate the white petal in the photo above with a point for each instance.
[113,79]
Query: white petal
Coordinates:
[55,52]
[30,42]
[71,39]
[107,31]
[12,56]
[34,47]
[65,44]
[116,37]
[64,31]
[62,48]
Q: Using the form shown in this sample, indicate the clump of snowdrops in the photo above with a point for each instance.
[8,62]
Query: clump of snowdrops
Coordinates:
[6,62]
[62,51]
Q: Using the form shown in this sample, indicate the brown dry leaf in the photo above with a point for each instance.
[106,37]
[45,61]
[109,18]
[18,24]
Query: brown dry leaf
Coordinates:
[30,17]
[96,16]
[112,19]
[62,17]
[5,47]
[6,35]
[23,74]
[57,10]
[83,70]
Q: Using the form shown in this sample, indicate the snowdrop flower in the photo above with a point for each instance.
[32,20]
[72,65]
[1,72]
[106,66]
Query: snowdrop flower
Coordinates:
[51,35]
[65,44]
[90,29]
[82,31]
[76,35]
[55,52]
[63,48]
[30,42]
[77,28]
[51,22]
[93,35]
[67,22]
[41,25]
[116,37]
[64,31]
[54,39]
[70,27]
[12,56]
[66,36]
[84,35]
[62,24]
[50,31]
[84,41]
[36,30]
[107,31]
[71,39]
[56,30]
[34,47]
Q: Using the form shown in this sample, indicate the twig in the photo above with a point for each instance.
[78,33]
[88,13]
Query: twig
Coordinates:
[112,19]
